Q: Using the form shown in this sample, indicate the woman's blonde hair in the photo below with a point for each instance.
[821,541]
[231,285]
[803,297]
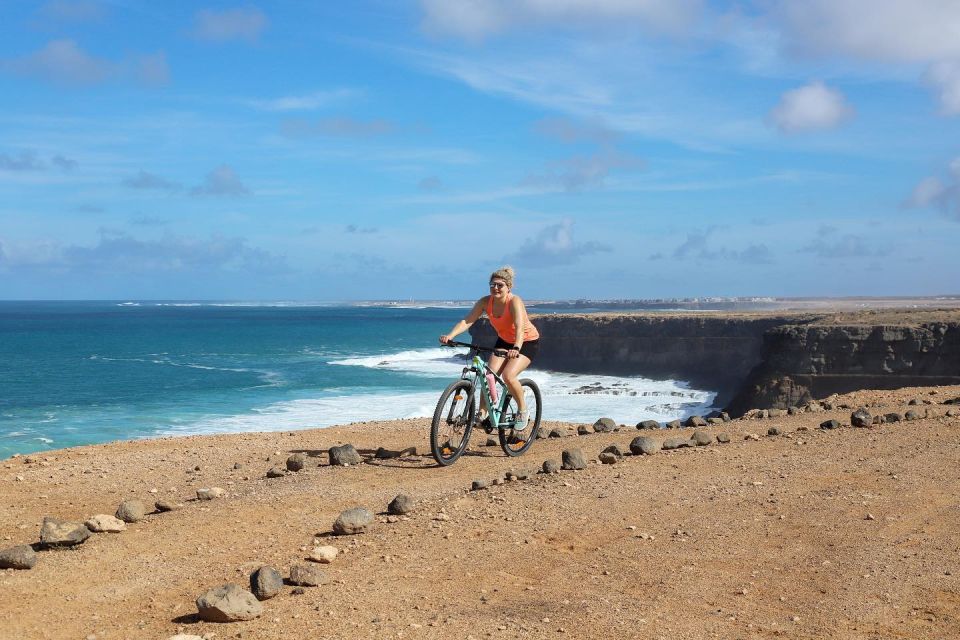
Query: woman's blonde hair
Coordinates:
[505,273]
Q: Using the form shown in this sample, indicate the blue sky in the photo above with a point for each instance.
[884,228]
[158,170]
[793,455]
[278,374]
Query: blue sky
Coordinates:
[393,150]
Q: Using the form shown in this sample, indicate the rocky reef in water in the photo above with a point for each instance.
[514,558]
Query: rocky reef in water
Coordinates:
[757,359]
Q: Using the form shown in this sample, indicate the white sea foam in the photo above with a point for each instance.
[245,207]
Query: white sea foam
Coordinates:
[433,363]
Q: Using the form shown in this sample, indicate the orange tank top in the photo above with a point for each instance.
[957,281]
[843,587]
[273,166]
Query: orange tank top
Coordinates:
[505,326]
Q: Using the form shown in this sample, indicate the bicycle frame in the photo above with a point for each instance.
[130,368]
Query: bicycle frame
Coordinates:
[479,370]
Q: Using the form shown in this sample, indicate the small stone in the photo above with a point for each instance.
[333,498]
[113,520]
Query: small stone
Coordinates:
[702,438]
[324,555]
[352,521]
[673,424]
[775,413]
[20,557]
[912,414]
[648,424]
[723,437]
[401,505]
[695,421]
[298,591]
[751,436]
[913,402]
[266,582]
[307,575]
[583,430]
[714,421]
[60,533]
[186,636]
[555,433]
[211,493]
[774,431]
[608,458]
[829,424]
[228,603]
[296,462]
[550,466]
[861,418]
[131,511]
[644,445]
[573,460]
[869,516]
[344,455]
[477,485]
[615,450]
[103,523]
[604,425]
[276,472]
[491,442]
[793,411]
[675,443]
[164,506]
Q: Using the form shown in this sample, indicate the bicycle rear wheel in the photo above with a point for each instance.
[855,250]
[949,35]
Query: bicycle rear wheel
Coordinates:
[515,443]
[452,422]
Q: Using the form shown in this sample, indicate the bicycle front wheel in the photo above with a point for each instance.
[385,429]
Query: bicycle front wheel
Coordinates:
[513,442]
[452,422]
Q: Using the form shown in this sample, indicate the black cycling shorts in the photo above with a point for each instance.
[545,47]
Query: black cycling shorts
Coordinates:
[528,349]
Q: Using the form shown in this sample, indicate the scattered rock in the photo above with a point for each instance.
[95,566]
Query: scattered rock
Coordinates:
[164,506]
[774,431]
[491,442]
[131,511]
[477,485]
[573,460]
[614,449]
[307,575]
[702,438]
[648,424]
[644,445]
[914,402]
[695,421]
[912,414]
[344,455]
[775,413]
[61,533]
[211,493]
[296,462]
[583,430]
[276,472]
[541,434]
[725,416]
[604,425]
[675,443]
[752,436]
[673,424]
[550,466]
[793,411]
[608,458]
[893,417]
[228,603]
[352,521]
[861,418]
[830,424]
[185,636]
[555,433]
[723,437]
[20,557]
[813,407]
[715,420]
[952,413]
[265,582]
[324,555]
[401,505]
[517,474]
[102,523]
[879,419]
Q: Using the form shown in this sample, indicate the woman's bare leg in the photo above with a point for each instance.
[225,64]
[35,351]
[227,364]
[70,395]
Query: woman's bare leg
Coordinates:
[511,375]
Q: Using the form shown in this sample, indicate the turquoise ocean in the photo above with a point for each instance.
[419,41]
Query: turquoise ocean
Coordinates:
[74,373]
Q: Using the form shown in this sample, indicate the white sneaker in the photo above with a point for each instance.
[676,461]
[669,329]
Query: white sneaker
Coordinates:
[522,421]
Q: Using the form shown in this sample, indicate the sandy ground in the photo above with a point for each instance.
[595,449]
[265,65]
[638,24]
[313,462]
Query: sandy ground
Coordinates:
[852,533]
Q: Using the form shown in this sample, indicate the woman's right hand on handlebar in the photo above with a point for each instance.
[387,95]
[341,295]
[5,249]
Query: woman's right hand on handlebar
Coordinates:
[444,339]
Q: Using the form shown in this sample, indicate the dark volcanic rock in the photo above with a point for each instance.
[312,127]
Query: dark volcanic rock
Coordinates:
[550,466]
[555,433]
[774,431]
[265,582]
[165,506]
[648,424]
[477,485]
[614,449]
[912,414]
[276,472]
[401,505]
[352,521]
[861,418]
[829,424]
[60,533]
[608,458]
[702,438]
[573,460]
[893,417]
[604,425]
[695,421]
[19,557]
[296,462]
[673,424]
[228,603]
[344,455]
[644,445]
[675,443]
[131,510]
[583,430]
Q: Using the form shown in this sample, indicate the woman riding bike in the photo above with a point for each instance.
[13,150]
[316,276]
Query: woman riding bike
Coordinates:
[515,334]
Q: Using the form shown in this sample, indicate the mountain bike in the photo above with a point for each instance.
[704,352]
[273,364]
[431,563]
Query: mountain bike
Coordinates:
[457,410]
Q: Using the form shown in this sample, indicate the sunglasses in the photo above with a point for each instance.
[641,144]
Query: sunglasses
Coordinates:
[497,285]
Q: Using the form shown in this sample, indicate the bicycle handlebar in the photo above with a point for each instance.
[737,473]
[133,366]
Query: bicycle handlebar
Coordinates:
[454,343]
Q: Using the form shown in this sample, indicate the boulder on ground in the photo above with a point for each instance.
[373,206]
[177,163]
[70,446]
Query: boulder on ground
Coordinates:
[952,413]
[813,407]
[324,554]
[702,438]
[583,430]
[307,575]
[555,433]
[695,421]
[344,455]
[861,418]
[673,424]
[648,424]
[723,437]
[830,424]
[725,416]
[644,445]
[132,510]
[477,485]
[266,582]
[401,505]
[352,521]
[550,466]
[62,533]
[912,414]
[20,557]
[276,472]
[604,425]
[210,493]
[296,462]
[715,420]
[675,443]
[793,411]
[775,413]
[613,449]
[573,460]
[164,506]
[774,431]
[608,458]
[228,603]
[103,523]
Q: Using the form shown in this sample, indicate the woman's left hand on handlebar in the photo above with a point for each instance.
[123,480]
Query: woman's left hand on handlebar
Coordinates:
[444,339]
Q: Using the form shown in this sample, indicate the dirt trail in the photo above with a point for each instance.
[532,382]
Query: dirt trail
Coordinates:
[852,533]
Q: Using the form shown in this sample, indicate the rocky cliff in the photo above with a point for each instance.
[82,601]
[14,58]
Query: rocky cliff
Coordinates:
[761,359]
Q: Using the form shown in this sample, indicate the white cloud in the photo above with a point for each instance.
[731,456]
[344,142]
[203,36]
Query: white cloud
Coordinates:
[146,180]
[306,102]
[700,246]
[222,181]
[242,23]
[945,78]
[477,19]
[579,172]
[940,193]
[812,107]
[553,246]
[64,62]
